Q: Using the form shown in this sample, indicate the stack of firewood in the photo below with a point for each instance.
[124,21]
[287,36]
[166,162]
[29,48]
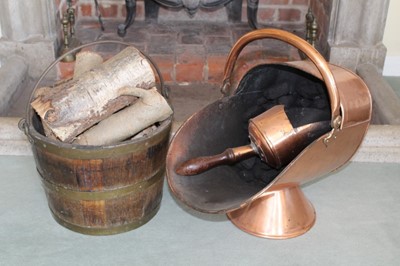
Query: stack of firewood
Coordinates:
[104,102]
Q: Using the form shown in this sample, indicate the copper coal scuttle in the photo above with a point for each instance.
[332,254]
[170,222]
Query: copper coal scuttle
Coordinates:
[283,125]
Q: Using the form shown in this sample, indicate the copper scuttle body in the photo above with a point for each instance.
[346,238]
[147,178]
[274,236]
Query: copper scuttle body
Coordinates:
[261,199]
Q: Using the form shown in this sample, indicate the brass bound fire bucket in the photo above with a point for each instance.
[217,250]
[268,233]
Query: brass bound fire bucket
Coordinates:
[260,199]
[100,190]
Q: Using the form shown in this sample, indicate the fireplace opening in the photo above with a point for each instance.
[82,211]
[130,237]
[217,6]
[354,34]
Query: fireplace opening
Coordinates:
[190,43]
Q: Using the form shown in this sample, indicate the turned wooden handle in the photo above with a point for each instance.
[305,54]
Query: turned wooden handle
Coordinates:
[199,165]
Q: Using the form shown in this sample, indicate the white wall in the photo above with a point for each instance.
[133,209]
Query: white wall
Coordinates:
[391,40]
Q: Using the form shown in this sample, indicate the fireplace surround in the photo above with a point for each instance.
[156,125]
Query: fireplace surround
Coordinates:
[350,35]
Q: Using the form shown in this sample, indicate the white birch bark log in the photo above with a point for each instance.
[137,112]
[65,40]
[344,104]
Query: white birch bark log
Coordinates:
[150,108]
[72,107]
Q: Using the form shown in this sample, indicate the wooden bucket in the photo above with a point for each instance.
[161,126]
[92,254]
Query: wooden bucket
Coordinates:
[100,190]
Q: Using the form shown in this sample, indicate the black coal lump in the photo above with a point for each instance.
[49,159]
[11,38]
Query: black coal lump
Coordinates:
[303,102]
[255,172]
[320,103]
[305,99]
[287,100]
[253,111]
[274,92]
[308,90]
[248,163]
[302,116]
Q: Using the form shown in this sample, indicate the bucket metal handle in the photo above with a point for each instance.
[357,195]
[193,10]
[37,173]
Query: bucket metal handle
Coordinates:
[303,46]
[163,89]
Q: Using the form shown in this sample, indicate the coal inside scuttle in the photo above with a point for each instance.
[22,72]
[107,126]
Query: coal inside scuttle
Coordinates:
[304,97]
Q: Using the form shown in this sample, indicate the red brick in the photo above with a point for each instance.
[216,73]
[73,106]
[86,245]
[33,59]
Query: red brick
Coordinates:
[244,13]
[241,68]
[123,10]
[92,24]
[289,14]
[294,54]
[190,54]
[272,2]
[165,63]
[109,11]
[276,60]
[139,11]
[300,2]
[252,53]
[66,69]
[216,64]
[191,73]
[251,58]
[266,14]
[86,10]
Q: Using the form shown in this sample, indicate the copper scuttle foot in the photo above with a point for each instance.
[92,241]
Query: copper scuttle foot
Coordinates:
[280,213]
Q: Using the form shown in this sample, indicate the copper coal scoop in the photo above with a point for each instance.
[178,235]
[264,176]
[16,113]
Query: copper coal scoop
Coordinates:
[272,137]
[290,122]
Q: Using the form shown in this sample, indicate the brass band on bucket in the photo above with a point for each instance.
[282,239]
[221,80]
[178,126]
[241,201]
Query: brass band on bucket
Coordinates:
[70,151]
[105,194]
[106,230]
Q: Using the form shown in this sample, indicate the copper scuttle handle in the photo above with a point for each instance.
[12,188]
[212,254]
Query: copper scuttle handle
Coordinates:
[199,165]
[315,57]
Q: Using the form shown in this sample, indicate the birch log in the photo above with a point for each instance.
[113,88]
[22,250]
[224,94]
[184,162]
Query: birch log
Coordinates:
[72,107]
[150,108]
[86,61]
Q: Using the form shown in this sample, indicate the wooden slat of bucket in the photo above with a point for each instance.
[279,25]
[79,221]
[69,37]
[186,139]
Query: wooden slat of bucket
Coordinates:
[93,212]
[119,189]
[118,167]
[108,211]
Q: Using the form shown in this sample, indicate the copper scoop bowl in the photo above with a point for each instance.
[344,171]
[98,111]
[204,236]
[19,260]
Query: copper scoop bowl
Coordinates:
[272,137]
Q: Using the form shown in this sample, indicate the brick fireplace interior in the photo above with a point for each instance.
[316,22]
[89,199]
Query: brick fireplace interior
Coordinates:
[190,46]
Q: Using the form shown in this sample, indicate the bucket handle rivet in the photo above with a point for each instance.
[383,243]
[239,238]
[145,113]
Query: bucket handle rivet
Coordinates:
[22,125]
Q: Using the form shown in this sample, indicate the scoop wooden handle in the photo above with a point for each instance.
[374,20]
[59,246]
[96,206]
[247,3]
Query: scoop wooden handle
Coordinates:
[199,165]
